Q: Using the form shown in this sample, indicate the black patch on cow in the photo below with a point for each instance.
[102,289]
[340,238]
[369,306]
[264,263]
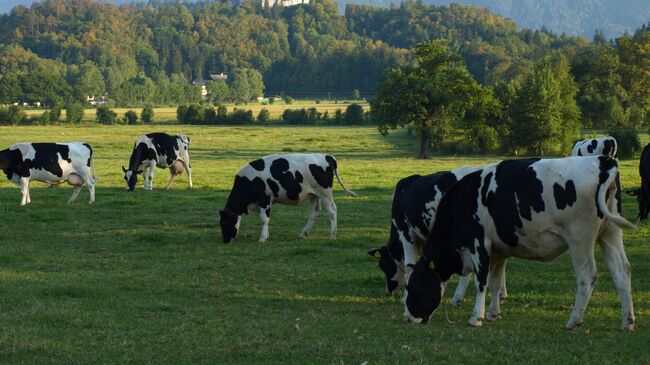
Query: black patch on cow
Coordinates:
[11,162]
[592,146]
[324,177]
[289,182]
[141,152]
[275,189]
[579,152]
[606,164]
[486,185]
[165,145]
[91,154]
[643,198]
[609,147]
[244,192]
[518,193]
[258,164]
[564,196]
[47,158]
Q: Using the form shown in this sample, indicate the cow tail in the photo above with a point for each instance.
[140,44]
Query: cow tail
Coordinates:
[611,184]
[349,192]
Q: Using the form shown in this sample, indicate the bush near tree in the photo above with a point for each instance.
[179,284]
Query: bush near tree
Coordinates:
[131,117]
[74,113]
[105,115]
[147,114]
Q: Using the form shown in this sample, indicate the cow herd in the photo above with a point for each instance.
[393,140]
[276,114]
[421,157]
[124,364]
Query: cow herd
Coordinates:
[466,221]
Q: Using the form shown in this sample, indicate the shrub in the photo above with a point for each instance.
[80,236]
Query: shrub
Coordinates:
[288,100]
[263,116]
[627,140]
[131,117]
[222,114]
[211,116]
[74,113]
[105,115]
[240,116]
[354,114]
[338,116]
[195,114]
[181,114]
[13,115]
[146,116]
[485,139]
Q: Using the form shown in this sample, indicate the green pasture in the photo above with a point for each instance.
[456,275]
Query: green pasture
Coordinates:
[168,114]
[143,278]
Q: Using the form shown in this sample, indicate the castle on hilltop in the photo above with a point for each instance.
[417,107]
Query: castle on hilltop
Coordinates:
[271,3]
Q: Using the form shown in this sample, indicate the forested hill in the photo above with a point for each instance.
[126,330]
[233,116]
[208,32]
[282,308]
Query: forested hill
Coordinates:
[573,17]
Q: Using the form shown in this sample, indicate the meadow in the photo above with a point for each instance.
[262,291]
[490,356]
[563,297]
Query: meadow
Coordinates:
[168,114]
[143,277]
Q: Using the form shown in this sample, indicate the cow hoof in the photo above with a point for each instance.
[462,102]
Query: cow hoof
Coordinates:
[572,326]
[628,326]
[475,322]
[411,319]
[494,317]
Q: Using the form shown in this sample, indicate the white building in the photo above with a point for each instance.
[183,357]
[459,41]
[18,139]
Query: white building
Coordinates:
[271,3]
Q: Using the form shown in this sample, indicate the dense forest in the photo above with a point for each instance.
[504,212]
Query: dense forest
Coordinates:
[58,50]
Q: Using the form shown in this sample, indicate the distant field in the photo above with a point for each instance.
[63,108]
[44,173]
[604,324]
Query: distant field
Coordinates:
[168,114]
[143,277]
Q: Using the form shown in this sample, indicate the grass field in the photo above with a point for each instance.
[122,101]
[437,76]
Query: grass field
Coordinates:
[143,277]
[168,114]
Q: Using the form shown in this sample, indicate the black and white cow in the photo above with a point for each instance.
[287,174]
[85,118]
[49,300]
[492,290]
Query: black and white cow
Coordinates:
[51,163]
[288,179]
[602,146]
[642,194]
[415,202]
[158,150]
[532,209]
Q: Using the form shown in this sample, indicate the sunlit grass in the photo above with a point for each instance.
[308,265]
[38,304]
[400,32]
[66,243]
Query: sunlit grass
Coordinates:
[143,278]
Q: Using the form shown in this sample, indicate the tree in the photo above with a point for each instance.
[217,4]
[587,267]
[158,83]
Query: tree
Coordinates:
[427,96]
[74,113]
[10,90]
[540,110]
[218,91]
[105,115]
[263,116]
[131,117]
[146,116]
[354,114]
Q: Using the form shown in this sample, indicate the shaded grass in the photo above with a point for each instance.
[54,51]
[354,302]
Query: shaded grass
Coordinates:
[143,278]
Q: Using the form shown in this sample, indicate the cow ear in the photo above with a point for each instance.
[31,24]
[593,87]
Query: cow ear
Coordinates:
[375,253]
[123,169]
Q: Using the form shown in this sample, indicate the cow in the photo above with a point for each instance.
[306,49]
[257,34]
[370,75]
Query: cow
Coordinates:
[158,150]
[414,206]
[532,209]
[602,146]
[287,179]
[642,194]
[51,163]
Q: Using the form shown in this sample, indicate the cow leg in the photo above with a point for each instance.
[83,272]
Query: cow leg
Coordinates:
[152,170]
[24,189]
[495,282]
[91,187]
[611,241]
[264,216]
[461,288]
[503,292]
[314,204]
[172,175]
[75,193]
[481,262]
[330,207]
[188,170]
[411,255]
[584,264]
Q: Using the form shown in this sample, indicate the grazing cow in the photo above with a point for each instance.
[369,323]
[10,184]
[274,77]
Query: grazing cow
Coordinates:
[643,193]
[415,202]
[51,163]
[602,146]
[158,150]
[287,179]
[532,209]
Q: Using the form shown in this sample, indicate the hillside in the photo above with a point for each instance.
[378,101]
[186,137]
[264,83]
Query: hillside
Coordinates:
[573,17]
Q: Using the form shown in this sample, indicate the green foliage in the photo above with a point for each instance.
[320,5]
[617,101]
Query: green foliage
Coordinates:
[12,115]
[627,141]
[263,116]
[105,115]
[74,113]
[147,114]
[131,117]
[429,96]
[354,114]
[240,116]
[288,99]
[218,91]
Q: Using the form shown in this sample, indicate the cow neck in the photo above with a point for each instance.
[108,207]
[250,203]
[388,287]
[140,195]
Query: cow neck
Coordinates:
[441,270]
[136,158]
[236,205]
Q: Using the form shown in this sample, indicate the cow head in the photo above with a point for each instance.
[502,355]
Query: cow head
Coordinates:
[229,222]
[393,269]
[131,178]
[424,292]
